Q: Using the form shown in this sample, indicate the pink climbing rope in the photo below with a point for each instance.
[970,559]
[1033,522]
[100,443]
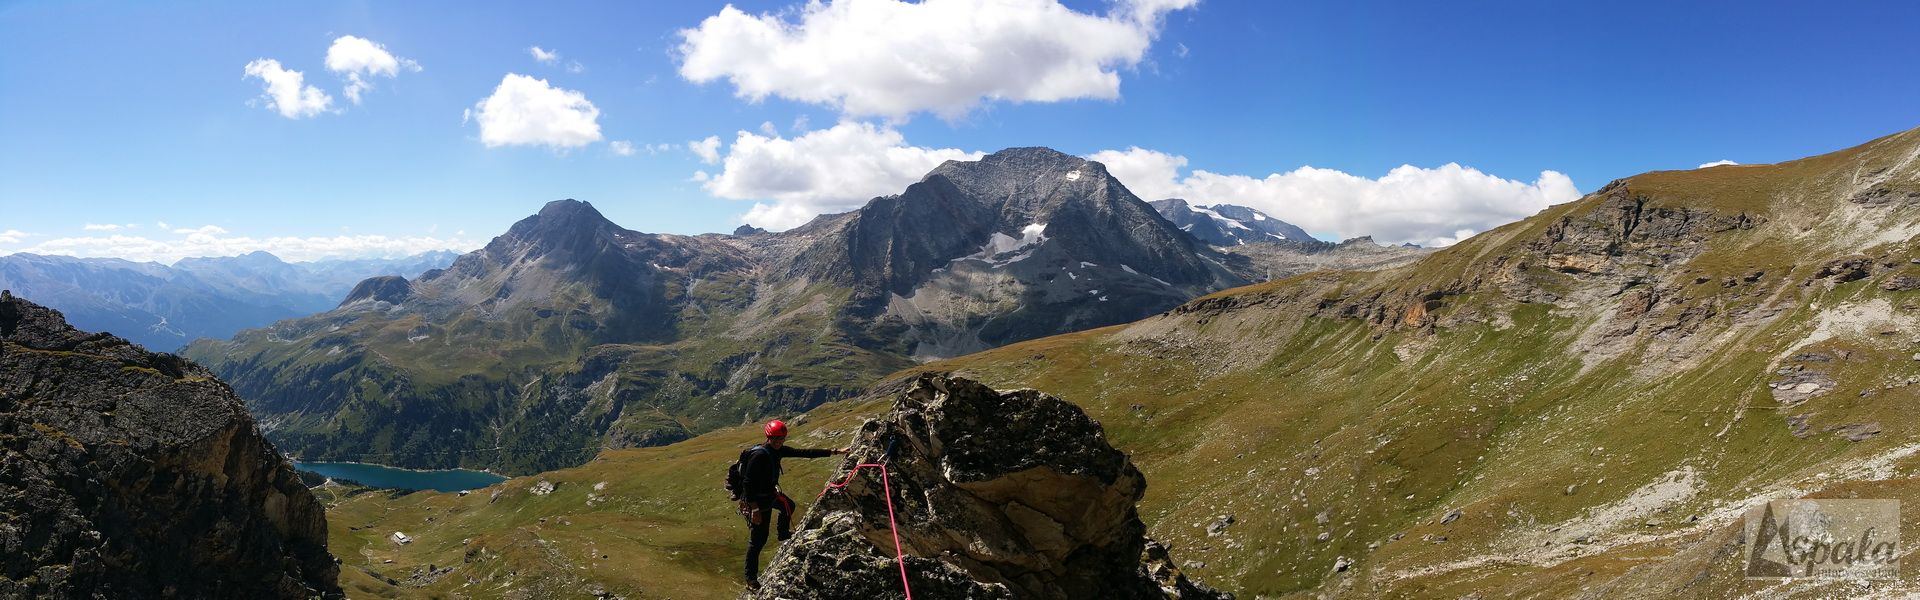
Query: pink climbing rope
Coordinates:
[887,485]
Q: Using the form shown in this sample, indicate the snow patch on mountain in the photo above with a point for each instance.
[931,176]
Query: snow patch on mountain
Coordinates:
[1002,249]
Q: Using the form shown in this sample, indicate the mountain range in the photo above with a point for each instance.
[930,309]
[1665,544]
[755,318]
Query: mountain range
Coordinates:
[1581,404]
[568,333]
[164,307]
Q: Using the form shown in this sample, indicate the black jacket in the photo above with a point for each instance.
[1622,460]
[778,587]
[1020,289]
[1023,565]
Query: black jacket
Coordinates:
[761,474]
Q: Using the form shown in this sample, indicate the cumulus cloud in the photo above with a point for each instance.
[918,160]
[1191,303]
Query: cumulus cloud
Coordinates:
[203,229]
[1148,174]
[708,149]
[213,241]
[1717,163]
[824,171]
[1432,207]
[524,111]
[108,226]
[287,91]
[358,58]
[892,58]
[544,55]
[621,147]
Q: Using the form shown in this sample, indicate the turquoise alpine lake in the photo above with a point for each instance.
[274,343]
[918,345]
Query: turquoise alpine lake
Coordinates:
[445,480]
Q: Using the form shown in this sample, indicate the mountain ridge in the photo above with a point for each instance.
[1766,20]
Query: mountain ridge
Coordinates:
[571,332]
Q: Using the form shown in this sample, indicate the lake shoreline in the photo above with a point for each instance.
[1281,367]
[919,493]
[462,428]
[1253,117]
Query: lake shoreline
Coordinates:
[297,462]
[400,478]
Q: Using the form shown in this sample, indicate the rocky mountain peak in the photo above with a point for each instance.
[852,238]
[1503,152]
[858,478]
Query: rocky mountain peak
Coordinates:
[130,474]
[560,223]
[1023,181]
[995,495]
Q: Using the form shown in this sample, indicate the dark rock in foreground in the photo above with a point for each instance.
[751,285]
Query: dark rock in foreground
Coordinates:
[130,474]
[997,495]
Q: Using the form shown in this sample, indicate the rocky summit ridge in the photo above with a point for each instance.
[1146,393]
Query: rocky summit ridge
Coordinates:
[130,474]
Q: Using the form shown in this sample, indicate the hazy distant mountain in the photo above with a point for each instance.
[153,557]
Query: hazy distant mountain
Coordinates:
[164,307]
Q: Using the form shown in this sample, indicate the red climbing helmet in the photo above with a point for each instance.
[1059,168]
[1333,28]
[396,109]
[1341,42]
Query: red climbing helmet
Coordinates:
[776,428]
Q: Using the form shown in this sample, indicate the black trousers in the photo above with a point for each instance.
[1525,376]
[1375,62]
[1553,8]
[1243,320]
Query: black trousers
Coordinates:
[758,539]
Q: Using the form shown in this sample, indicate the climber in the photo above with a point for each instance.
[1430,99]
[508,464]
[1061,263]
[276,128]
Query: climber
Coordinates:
[760,491]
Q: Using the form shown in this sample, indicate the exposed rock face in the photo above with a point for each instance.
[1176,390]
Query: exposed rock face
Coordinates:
[1022,243]
[391,289]
[997,495]
[130,474]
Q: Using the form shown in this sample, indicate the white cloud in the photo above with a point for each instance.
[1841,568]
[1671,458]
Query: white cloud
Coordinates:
[892,58]
[529,112]
[287,91]
[552,57]
[13,236]
[358,58]
[1717,163]
[202,230]
[1148,174]
[621,147]
[214,242]
[824,171]
[708,149]
[1432,207]
[163,224]
[108,226]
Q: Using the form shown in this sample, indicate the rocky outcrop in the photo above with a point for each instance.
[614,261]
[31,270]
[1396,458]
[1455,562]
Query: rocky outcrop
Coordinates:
[996,495]
[130,474]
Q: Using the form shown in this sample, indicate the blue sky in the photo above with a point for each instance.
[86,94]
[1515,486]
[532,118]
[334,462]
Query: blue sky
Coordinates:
[141,113]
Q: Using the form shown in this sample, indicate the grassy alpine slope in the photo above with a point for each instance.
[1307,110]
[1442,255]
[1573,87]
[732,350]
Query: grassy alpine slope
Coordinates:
[1581,403]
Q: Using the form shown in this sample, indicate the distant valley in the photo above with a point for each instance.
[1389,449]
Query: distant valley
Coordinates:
[163,307]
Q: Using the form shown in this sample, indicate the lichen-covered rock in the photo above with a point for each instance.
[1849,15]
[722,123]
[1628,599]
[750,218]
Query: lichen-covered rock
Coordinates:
[130,474]
[997,495]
